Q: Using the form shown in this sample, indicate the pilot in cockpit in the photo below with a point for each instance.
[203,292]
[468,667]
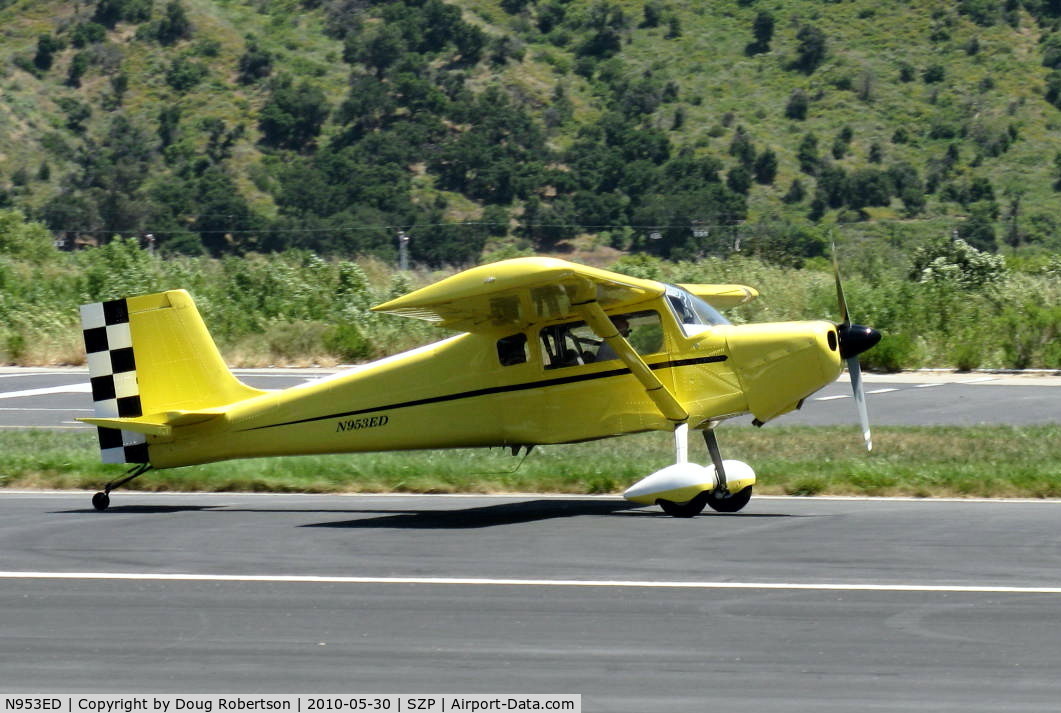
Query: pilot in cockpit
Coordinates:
[605,351]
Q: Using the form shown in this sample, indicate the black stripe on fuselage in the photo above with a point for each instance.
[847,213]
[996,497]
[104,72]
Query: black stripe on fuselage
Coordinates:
[500,390]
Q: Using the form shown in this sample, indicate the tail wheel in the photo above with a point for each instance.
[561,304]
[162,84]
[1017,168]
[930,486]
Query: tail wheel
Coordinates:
[729,502]
[101,501]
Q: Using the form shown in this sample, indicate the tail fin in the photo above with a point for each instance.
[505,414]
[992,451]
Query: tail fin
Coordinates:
[152,365]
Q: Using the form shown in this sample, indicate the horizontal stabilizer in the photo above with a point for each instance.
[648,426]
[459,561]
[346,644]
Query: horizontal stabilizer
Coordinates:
[158,424]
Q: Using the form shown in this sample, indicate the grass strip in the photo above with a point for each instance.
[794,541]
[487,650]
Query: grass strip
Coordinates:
[977,461]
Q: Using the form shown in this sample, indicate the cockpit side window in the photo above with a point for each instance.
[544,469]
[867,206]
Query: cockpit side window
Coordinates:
[693,313]
[574,343]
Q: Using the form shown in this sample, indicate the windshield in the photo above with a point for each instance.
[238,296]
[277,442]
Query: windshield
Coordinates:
[693,313]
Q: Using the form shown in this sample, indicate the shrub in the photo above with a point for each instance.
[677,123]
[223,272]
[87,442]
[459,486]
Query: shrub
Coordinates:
[1029,330]
[346,342]
[895,351]
[957,262]
[21,239]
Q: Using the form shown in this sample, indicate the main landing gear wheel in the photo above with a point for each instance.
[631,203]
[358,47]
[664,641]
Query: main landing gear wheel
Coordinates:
[101,501]
[727,501]
[689,509]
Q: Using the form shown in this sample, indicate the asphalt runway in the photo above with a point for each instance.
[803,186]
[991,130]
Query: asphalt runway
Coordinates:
[792,605]
[54,398]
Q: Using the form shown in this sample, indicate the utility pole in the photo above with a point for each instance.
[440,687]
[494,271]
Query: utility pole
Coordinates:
[403,251]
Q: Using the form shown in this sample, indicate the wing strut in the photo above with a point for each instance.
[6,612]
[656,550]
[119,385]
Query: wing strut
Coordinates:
[602,326]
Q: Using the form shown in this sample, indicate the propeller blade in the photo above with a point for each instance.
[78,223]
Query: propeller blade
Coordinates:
[845,318]
[854,339]
[855,369]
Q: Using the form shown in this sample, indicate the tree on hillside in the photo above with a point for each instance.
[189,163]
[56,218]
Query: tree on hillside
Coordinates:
[255,63]
[796,192]
[810,50]
[47,46]
[174,24]
[547,223]
[88,33]
[110,12]
[834,185]
[781,242]
[652,14]
[440,242]
[379,51]
[978,230]
[293,115]
[798,103]
[605,22]
[670,224]
[1053,88]
[763,30]
[225,222]
[765,168]
[674,28]
[807,154]
[869,187]
[742,148]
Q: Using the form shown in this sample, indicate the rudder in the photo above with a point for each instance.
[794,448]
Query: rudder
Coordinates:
[150,356]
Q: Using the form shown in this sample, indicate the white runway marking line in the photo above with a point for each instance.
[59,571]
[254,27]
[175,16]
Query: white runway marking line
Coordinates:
[833,398]
[881,391]
[47,428]
[84,388]
[925,386]
[29,408]
[482,582]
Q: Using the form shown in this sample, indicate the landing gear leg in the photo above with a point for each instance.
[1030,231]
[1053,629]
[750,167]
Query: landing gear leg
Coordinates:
[716,460]
[695,506]
[102,500]
[721,499]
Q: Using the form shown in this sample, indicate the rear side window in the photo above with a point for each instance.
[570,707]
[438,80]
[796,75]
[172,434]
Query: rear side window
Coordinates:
[512,350]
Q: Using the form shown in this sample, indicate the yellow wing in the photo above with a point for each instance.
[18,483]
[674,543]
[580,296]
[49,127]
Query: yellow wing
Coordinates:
[723,296]
[515,294]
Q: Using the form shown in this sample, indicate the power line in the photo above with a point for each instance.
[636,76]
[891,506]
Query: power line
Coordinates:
[407,227]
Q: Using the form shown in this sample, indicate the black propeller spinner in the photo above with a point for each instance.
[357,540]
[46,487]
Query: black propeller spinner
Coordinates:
[855,339]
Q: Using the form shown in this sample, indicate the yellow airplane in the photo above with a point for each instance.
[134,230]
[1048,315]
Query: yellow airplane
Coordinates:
[548,352]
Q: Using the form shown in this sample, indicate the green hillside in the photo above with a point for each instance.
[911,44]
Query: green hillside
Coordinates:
[675,128]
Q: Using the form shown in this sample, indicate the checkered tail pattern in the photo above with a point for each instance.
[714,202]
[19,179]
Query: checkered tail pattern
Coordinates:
[112,372]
